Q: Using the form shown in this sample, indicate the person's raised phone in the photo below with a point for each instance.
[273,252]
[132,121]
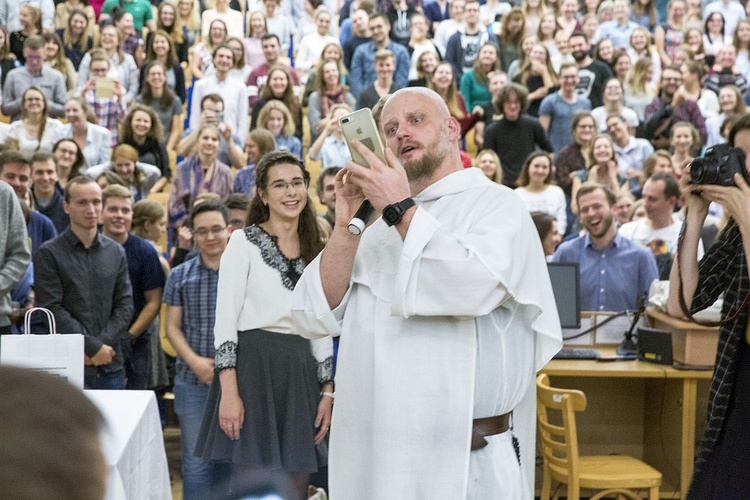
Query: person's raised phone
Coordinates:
[361,126]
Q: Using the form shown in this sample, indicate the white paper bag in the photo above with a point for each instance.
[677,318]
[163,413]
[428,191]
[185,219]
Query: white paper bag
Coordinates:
[60,355]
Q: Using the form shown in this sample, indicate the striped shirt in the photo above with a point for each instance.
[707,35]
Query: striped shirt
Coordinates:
[193,286]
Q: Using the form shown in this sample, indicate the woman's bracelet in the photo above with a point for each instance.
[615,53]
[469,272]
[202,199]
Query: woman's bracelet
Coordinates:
[331,395]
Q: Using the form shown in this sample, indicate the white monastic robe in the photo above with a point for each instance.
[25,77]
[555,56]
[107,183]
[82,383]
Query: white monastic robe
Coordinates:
[449,325]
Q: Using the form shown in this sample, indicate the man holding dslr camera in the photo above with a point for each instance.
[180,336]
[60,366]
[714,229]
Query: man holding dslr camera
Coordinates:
[721,464]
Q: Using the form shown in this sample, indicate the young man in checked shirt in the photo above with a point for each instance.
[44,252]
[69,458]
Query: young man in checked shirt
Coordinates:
[721,464]
[190,296]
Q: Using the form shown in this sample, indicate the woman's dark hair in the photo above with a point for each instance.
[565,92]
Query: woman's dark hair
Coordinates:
[172,58]
[543,223]
[308,230]
[80,159]
[523,177]
[126,126]
[167,95]
[288,98]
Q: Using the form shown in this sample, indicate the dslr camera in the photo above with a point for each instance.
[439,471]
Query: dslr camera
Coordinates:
[718,166]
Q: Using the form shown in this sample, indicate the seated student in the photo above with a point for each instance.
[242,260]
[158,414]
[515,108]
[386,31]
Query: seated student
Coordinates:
[276,118]
[44,196]
[330,147]
[212,113]
[259,142]
[546,226]
[385,67]
[614,271]
[659,230]
[139,177]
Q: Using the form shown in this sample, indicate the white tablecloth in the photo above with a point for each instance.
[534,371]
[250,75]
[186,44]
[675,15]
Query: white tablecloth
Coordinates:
[133,445]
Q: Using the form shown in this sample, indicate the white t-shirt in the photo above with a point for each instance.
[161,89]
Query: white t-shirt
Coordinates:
[550,201]
[641,232]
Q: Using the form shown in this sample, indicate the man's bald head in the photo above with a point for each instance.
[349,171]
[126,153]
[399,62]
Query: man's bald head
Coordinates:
[417,96]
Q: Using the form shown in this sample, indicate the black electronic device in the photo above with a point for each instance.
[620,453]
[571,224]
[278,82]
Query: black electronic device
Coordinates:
[576,353]
[566,286]
[655,345]
[718,166]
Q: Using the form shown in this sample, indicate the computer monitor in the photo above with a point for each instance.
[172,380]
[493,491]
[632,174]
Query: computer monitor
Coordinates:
[566,285]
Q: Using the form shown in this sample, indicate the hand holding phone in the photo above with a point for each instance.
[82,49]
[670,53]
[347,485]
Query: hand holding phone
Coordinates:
[360,125]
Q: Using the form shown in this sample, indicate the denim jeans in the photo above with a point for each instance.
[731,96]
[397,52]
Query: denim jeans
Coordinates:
[189,401]
[103,380]
[138,362]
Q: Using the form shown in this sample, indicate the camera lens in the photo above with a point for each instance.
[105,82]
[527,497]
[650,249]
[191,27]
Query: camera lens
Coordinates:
[697,171]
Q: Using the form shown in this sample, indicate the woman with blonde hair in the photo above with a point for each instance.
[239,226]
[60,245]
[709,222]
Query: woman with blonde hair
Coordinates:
[683,139]
[277,119]
[54,57]
[419,42]
[35,131]
[312,45]
[94,140]
[527,43]
[538,76]
[31,24]
[612,104]
[533,10]
[65,9]
[8,61]
[426,64]
[329,92]
[731,102]
[198,174]
[256,28]
[138,177]
[331,51]
[122,66]
[259,143]
[669,36]
[279,87]
[601,168]
[76,37]
[639,92]
[169,22]
[641,47]
[489,162]
[188,15]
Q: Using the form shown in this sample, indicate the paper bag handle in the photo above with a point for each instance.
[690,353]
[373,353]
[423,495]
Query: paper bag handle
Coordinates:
[50,318]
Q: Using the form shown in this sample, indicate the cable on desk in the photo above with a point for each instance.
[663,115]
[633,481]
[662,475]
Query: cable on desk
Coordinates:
[593,328]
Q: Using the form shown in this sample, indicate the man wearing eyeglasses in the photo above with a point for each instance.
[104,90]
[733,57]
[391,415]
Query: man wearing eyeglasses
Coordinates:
[669,107]
[34,74]
[190,296]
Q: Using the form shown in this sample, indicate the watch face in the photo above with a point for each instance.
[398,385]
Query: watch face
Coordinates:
[391,215]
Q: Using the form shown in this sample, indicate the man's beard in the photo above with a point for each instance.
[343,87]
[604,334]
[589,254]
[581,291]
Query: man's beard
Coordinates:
[579,55]
[432,158]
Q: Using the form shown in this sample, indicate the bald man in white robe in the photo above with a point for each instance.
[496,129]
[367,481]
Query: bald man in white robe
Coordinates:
[445,314]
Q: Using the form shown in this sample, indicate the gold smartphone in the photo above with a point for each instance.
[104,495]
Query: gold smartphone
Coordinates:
[360,125]
[105,88]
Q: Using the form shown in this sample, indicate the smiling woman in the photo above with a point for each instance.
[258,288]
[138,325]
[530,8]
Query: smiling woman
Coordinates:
[201,173]
[259,356]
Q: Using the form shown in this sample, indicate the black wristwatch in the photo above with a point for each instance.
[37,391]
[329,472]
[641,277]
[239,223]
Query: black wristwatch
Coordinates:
[392,214]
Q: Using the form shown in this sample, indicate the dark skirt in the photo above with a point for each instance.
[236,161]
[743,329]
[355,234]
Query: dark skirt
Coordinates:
[277,381]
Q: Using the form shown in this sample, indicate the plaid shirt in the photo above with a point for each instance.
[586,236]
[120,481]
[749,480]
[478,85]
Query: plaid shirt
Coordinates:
[722,269]
[193,286]
[131,45]
[108,111]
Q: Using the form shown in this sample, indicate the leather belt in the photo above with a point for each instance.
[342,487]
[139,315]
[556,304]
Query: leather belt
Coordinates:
[490,426]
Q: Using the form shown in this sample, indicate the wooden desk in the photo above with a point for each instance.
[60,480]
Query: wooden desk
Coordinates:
[641,409]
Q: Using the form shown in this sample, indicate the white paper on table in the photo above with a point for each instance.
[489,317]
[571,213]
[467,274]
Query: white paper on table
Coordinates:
[614,331]
[588,339]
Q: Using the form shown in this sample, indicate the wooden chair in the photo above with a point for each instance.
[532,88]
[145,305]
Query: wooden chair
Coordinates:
[615,474]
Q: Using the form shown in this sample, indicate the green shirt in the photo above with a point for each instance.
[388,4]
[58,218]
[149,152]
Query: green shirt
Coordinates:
[141,10]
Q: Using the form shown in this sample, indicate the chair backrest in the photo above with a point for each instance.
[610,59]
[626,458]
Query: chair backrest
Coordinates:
[559,435]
